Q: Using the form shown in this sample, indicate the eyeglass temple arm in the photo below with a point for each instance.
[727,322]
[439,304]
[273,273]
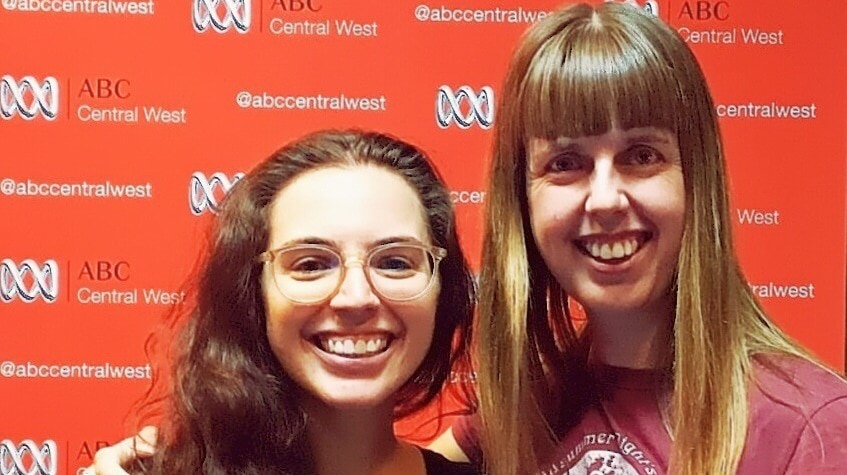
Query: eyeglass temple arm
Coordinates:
[439,252]
[266,256]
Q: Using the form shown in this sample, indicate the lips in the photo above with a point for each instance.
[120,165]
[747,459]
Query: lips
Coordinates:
[612,249]
[353,346]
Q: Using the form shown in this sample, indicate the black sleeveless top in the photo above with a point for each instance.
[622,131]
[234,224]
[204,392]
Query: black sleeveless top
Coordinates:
[436,464]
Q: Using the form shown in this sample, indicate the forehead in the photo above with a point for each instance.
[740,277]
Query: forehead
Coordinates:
[351,206]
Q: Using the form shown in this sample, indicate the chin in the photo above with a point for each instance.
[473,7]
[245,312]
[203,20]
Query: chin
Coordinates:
[622,304]
[356,401]
[355,395]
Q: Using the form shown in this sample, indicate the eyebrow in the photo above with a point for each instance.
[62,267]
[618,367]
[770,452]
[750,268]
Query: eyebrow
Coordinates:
[397,239]
[571,146]
[647,138]
[334,244]
[308,240]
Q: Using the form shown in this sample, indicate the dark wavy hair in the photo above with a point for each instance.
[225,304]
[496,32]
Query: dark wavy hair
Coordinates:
[230,407]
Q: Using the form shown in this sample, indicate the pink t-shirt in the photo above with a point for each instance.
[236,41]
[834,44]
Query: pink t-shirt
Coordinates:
[798,425]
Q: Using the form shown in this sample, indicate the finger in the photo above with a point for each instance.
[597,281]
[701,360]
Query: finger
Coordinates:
[113,459]
[145,441]
[109,460]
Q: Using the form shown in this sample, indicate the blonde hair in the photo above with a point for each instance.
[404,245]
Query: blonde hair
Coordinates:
[581,71]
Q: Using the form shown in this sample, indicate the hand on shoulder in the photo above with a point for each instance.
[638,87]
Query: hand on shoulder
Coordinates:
[113,460]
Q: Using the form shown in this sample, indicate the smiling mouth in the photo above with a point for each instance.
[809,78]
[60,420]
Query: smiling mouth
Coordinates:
[613,249]
[353,346]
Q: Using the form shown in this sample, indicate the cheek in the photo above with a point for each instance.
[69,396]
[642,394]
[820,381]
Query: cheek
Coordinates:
[666,202]
[670,207]
[426,314]
[280,329]
[539,214]
[550,215]
[272,308]
[670,192]
[283,322]
[419,321]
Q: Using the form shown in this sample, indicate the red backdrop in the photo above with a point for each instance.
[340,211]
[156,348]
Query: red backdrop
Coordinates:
[124,122]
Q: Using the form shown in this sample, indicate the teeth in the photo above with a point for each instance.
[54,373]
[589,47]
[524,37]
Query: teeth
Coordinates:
[356,347]
[617,250]
[614,250]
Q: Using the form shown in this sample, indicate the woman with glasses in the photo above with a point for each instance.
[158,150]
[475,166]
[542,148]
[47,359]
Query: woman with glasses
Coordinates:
[334,299]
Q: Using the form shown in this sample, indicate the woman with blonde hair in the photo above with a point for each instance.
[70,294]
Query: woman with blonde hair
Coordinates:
[608,187]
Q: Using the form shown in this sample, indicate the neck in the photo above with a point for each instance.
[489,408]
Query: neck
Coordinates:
[632,339]
[358,442]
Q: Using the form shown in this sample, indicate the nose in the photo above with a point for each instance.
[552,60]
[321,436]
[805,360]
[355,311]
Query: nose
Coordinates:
[354,291]
[606,197]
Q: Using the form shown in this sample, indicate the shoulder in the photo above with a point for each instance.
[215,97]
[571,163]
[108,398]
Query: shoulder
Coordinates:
[798,418]
[436,464]
[465,431]
[795,383]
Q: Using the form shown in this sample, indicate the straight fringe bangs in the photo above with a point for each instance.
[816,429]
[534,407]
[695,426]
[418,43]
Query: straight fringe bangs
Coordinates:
[589,74]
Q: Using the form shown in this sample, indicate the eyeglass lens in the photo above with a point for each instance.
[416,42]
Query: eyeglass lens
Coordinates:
[311,273]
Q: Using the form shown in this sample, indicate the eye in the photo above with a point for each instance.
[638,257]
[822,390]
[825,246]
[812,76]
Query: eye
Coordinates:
[564,163]
[642,155]
[398,262]
[310,265]
[393,263]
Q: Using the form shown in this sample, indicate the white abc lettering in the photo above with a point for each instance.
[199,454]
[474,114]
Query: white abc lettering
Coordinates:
[201,191]
[45,97]
[448,107]
[45,280]
[43,459]
[205,14]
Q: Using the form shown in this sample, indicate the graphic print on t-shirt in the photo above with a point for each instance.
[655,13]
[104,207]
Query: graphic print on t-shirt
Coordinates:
[602,462]
[604,453]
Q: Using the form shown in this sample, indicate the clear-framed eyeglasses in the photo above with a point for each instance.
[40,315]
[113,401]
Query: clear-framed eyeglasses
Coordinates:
[312,273]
